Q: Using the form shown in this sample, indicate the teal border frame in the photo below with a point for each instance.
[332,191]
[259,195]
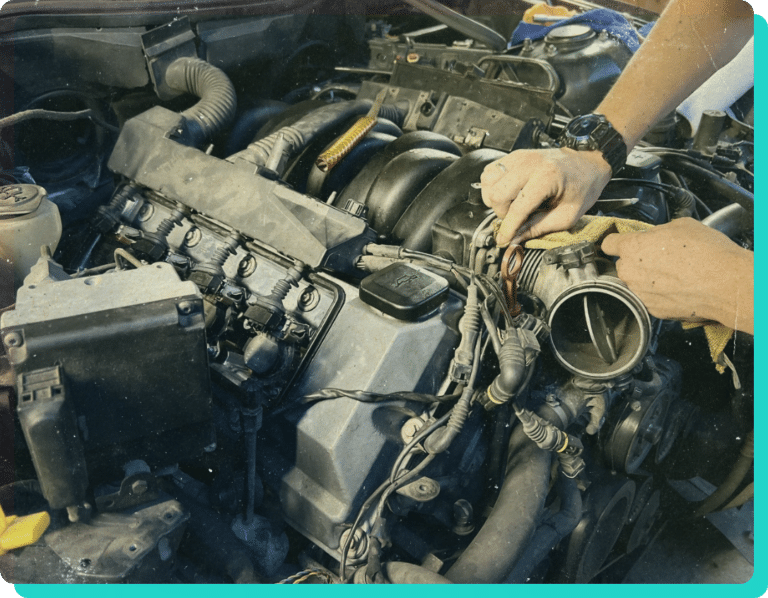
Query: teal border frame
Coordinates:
[757,586]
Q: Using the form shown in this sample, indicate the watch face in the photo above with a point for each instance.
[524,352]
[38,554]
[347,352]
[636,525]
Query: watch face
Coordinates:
[581,128]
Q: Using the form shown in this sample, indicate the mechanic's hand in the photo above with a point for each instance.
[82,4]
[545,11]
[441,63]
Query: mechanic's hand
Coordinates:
[518,185]
[685,270]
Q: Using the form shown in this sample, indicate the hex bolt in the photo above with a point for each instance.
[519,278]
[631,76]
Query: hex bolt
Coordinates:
[410,429]
[193,237]
[13,339]
[146,212]
[463,516]
[247,266]
[636,405]
[309,299]
[139,487]
[186,308]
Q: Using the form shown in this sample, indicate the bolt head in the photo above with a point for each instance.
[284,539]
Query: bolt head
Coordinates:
[410,429]
[193,236]
[247,266]
[13,339]
[186,307]
[139,487]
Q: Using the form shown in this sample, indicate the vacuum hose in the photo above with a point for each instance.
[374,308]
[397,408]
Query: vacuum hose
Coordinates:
[298,135]
[218,101]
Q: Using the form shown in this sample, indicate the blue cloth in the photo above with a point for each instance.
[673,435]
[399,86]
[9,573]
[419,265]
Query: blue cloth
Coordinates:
[598,19]
[646,29]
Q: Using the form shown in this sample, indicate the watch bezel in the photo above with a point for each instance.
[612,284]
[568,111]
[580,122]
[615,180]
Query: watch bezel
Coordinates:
[594,132]
[584,135]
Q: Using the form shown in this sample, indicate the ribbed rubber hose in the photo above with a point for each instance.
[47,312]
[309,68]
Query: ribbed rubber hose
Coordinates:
[218,101]
[302,132]
[506,533]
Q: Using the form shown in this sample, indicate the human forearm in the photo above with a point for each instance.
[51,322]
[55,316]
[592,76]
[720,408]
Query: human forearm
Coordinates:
[685,271]
[690,42]
[733,301]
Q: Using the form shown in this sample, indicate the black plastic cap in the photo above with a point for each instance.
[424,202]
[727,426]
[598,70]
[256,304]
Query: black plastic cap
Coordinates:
[404,291]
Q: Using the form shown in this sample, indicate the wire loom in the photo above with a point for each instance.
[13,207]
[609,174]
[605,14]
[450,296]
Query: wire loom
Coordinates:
[301,576]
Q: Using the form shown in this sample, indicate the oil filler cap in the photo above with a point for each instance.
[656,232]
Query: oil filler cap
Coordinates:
[19,200]
[404,291]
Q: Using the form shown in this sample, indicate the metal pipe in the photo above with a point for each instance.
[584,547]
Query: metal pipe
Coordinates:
[461,23]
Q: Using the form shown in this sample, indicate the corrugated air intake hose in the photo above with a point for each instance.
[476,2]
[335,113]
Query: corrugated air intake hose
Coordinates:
[218,101]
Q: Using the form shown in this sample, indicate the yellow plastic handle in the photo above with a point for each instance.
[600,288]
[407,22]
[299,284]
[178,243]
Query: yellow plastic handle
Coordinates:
[16,532]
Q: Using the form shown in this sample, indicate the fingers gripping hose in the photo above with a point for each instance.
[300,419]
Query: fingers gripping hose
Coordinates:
[218,101]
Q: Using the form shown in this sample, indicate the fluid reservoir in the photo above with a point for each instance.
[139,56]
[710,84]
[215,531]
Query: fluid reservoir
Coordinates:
[28,220]
[588,63]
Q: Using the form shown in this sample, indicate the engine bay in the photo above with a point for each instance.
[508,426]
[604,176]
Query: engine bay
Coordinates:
[256,327]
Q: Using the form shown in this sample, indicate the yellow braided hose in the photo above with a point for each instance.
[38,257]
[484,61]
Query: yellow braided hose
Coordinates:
[345,144]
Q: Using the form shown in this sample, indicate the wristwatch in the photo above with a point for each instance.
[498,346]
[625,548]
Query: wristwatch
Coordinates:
[593,132]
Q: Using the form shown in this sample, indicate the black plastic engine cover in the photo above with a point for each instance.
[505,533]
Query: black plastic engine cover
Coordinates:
[292,223]
[132,347]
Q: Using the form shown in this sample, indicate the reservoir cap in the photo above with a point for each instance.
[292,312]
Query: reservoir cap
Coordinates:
[404,291]
[19,200]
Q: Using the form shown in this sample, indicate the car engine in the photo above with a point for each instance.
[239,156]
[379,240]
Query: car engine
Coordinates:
[256,327]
